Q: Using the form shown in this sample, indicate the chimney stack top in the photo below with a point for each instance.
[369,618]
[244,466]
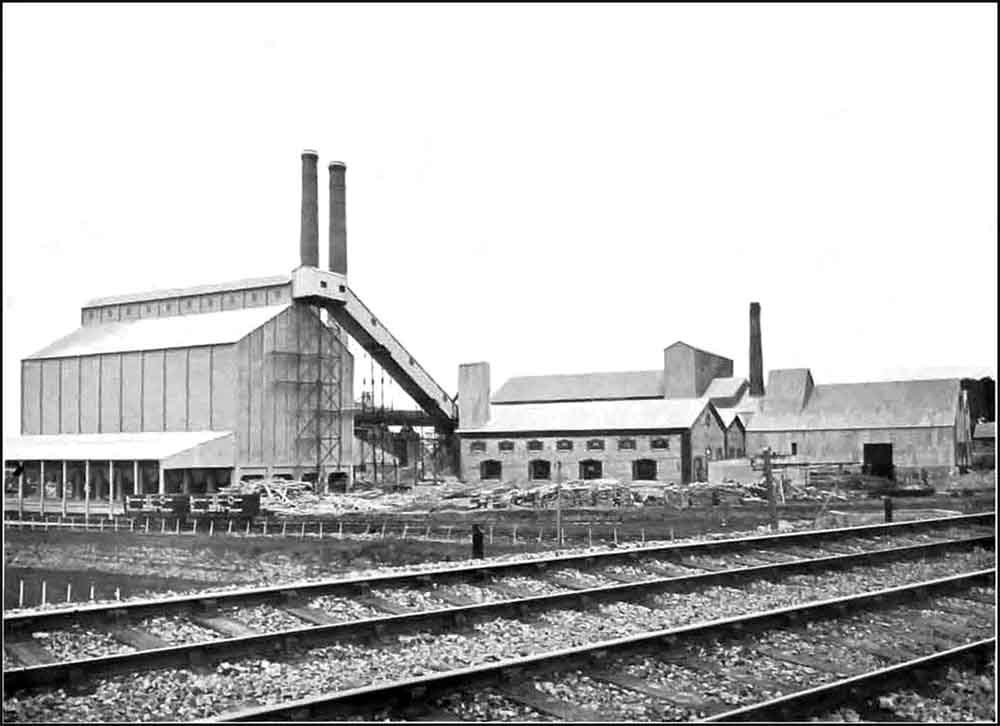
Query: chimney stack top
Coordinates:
[337,163]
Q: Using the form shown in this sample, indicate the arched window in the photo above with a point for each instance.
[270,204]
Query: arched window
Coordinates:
[539,469]
[595,445]
[490,469]
[535,445]
[591,469]
[564,445]
[506,446]
[644,469]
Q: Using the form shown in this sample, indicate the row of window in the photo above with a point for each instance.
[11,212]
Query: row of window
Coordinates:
[541,470]
[259,296]
[661,443]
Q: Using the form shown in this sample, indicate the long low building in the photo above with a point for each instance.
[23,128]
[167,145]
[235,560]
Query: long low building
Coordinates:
[888,427]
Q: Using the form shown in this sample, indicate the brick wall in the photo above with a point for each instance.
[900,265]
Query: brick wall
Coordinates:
[616,463]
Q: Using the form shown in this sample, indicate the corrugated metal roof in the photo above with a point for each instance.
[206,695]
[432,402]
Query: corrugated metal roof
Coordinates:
[725,387]
[884,404]
[581,387]
[986,430]
[179,331]
[147,446]
[245,284]
[656,413]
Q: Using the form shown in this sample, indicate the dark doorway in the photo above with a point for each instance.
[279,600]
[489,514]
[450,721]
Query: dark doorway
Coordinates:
[878,460]
[591,469]
[490,469]
[699,469]
[539,469]
[644,469]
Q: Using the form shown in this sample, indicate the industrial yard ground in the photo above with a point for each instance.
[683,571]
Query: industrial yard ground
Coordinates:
[130,564]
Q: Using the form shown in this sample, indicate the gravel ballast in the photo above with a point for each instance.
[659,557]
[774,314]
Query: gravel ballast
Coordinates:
[183,694]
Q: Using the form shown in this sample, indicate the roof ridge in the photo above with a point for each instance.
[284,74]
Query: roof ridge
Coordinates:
[202,289]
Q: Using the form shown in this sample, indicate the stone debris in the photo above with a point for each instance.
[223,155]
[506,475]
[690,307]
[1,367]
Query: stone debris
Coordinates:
[176,630]
[76,642]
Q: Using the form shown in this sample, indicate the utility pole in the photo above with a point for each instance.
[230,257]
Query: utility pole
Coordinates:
[772,505]
[559,503]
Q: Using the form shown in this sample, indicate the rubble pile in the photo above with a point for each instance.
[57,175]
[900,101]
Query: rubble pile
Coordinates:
[286,497]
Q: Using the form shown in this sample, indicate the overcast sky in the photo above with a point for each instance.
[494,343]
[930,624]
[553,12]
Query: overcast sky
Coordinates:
[550,189]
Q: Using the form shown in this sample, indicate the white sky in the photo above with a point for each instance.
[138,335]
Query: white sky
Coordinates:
[551,189]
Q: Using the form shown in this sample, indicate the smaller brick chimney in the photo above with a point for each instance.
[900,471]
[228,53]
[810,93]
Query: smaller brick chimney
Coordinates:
[338,217]
[473,395]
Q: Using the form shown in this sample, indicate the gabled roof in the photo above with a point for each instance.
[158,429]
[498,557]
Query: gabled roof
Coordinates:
[178,331]
[985,430]
[581,387]
[886,404]
[245,284]
[648,414]
[728,416]
[725,387]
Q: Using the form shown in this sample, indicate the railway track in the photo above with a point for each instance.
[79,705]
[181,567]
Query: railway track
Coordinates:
[765,548]
[789,663]
[713,576]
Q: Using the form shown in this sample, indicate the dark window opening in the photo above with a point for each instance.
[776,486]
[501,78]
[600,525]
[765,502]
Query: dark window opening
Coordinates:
[626,444]
[490,469]
[595,445]
[322,283]
[878,460]
[795,449]
[718,453]
[660,443]
[535,445]
[564,445]
[343,288]
[190,303]
[477,446]
[591,469]
[644,469]
[539,469]
[506,446]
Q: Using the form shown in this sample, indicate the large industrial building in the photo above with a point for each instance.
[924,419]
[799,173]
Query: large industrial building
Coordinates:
[674,423]
[184,390]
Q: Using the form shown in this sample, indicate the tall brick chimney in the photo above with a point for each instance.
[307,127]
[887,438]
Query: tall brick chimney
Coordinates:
[756,354]
[338,218]
[309,230]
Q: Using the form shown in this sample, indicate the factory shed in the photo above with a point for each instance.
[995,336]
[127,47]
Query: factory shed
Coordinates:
[163,400]
[657,439]
[885,426]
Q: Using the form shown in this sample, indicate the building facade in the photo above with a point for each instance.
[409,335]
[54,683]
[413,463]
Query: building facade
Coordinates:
[250,381]
[657,425]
